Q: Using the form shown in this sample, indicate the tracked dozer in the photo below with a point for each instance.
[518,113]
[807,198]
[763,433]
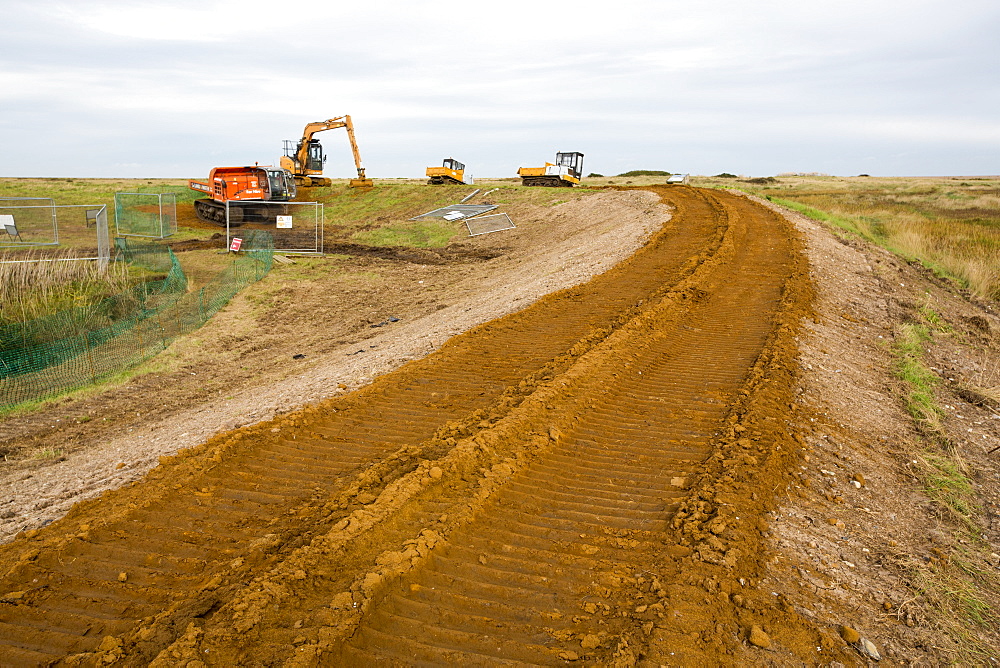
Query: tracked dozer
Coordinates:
[254,195]
[566,172]
[451,171]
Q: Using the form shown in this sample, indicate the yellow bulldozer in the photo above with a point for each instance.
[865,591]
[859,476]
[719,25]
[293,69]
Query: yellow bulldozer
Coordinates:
[451,172]
[566,172]
[305,159]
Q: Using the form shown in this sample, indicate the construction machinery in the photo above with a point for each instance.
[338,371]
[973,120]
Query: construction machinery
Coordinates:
[305,159]
[566,172]
[249,191]
[451,171]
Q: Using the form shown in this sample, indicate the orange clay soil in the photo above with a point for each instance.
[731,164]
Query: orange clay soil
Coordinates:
[601,478]
[563,484]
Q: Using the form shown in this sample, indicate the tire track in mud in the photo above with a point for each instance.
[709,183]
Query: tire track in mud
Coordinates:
[554,567]
[124,576]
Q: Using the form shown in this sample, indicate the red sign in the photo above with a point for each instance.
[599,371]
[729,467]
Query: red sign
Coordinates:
[235,246]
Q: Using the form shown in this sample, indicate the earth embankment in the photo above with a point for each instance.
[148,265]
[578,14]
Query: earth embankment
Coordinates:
[551,486]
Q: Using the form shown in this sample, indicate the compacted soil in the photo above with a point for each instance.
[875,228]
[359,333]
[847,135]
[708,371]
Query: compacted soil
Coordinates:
[656,427]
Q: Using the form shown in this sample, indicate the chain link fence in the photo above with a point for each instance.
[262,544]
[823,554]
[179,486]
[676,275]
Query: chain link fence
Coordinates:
[27,223]
[51,355]
[152,215]
[296,227]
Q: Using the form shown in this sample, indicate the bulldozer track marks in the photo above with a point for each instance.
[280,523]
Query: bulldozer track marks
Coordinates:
[595,406]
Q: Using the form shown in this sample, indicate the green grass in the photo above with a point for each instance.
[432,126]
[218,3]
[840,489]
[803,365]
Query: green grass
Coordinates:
[957,595]
[646,172]
[359,209]
[934,319]
[48,453]
[921,381]
[944,476]
[858,226]
[422,234]
[88,191]
[946,483]
[163,363]
[379,215]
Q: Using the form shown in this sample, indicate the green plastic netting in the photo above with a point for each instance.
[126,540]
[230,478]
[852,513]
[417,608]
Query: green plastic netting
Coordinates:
[51,355]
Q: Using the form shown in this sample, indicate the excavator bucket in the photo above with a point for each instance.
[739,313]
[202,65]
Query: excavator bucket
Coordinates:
[361,183]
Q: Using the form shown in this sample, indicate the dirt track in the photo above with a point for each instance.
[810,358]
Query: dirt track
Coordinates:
[562,484]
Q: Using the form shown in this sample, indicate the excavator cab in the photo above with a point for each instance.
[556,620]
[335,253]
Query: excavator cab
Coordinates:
[574,161]
[314,156]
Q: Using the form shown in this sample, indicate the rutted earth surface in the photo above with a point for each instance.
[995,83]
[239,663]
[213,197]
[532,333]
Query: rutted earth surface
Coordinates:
[612,475]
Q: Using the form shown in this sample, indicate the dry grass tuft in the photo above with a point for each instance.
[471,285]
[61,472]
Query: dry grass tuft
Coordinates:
[950,225]
[34,286]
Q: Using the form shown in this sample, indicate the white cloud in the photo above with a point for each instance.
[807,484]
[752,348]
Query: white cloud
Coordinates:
[642,81]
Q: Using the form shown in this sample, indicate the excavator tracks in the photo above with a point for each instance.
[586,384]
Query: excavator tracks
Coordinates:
[500,502]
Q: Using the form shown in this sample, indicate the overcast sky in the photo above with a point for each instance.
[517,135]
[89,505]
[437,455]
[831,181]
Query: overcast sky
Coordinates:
[170,89]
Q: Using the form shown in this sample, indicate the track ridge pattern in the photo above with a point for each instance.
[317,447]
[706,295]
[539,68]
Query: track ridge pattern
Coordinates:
[168,568]
[530,580]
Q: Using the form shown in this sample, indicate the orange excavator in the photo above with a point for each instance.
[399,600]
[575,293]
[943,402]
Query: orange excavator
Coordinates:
[305,159]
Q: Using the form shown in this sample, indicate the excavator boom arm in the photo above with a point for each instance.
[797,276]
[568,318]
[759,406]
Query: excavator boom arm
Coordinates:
[330,124]
[354,147]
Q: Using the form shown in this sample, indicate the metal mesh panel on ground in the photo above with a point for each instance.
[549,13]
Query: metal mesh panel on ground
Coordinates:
[295,227]
[487,224]
[151,215]
[50,355]
[457,211]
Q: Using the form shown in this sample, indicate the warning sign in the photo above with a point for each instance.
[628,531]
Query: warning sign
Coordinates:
[284,223]
[235,245]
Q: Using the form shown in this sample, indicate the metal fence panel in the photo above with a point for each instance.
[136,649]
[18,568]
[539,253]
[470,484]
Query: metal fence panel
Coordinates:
[83,227]
[487,224]
[457,211]
[295,227]
[28,221]
[151,215]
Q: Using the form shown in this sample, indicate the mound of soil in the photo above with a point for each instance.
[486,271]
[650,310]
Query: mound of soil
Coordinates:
[816,531]
[241,368]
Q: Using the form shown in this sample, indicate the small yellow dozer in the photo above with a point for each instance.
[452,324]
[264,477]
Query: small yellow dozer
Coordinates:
[565,173]
[451,172]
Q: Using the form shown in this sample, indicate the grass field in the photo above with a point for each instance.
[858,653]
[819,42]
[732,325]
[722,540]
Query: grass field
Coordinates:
[949,224]
[377,216]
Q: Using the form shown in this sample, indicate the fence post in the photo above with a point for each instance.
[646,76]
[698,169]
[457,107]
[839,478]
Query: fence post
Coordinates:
[90,356]
[138,331]
[163,331]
